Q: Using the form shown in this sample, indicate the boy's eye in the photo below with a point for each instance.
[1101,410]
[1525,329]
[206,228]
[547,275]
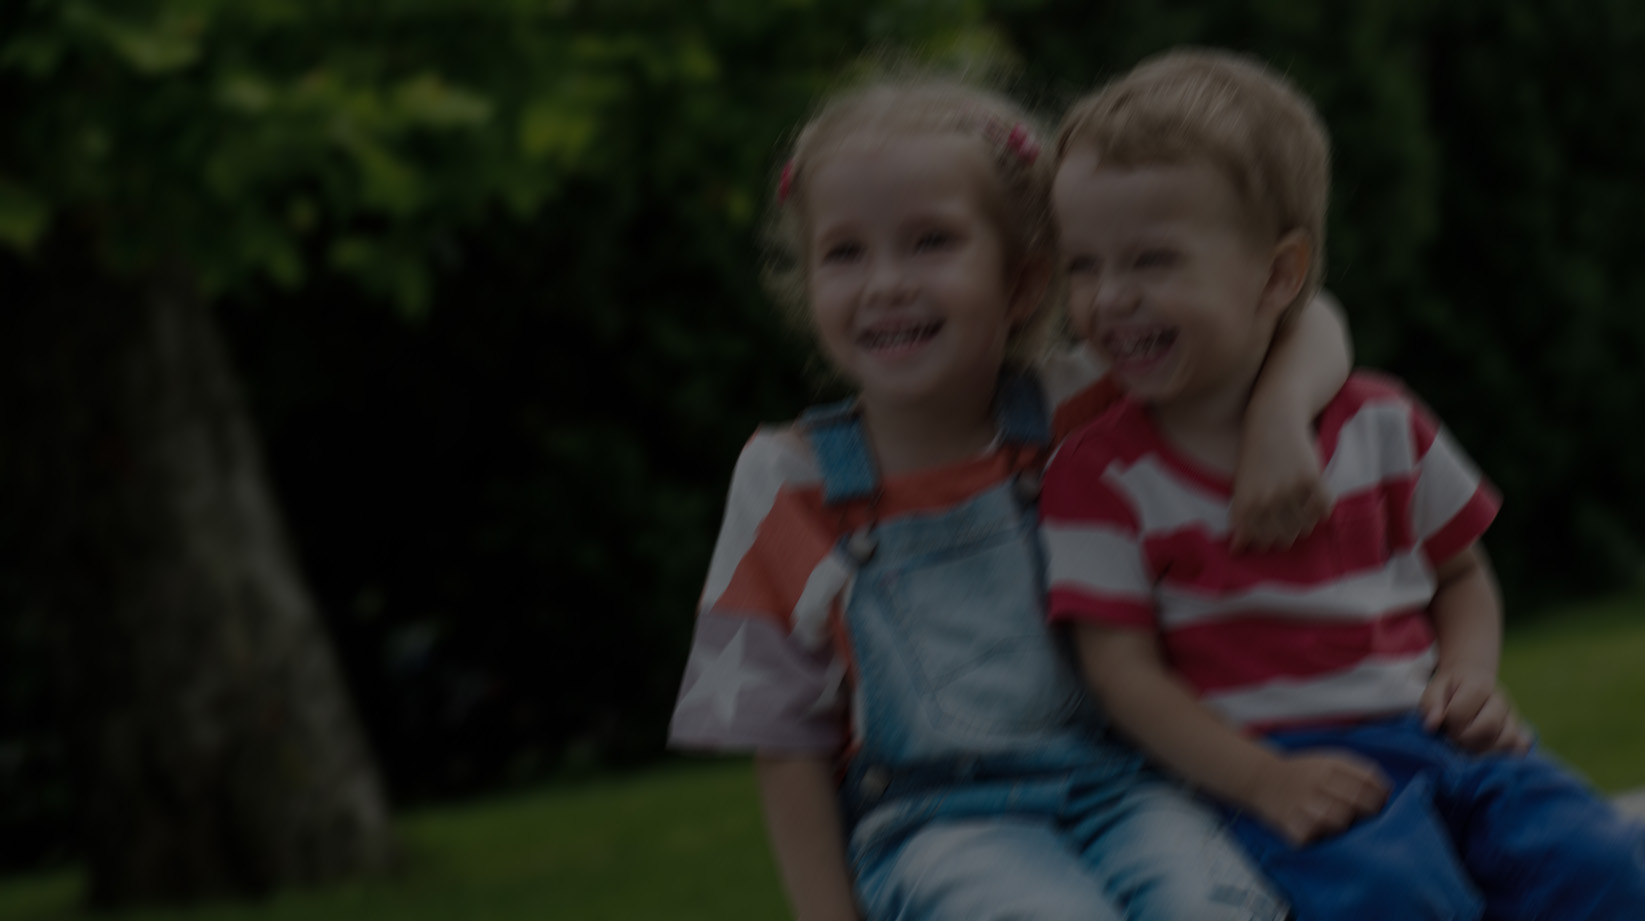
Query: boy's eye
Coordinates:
[1155,258]
[935,240]
[1082,265]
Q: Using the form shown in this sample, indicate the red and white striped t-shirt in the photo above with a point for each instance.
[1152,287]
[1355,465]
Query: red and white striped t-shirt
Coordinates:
[770,666]
[1334,628]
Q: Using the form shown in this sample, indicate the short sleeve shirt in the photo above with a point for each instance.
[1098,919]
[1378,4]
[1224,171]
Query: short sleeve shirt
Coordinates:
[770,666]
[1334,628]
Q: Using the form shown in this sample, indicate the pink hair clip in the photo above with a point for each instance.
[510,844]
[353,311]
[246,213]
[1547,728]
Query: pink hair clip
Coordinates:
[785,182]
[1022,144]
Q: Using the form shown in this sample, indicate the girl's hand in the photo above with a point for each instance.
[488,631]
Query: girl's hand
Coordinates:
[1315,795]
[1279,495]
[1474,711]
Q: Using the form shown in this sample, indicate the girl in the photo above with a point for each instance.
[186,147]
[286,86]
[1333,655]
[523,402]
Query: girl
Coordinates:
[872,624]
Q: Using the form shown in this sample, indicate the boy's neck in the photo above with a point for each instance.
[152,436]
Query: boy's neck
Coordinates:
[909,438]
[1207,425]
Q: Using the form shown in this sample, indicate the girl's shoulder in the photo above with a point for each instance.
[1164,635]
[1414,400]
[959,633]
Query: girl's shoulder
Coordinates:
[776,457]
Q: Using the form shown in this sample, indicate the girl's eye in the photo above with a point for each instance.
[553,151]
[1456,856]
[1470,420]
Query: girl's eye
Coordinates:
[1156,258]
[841,252]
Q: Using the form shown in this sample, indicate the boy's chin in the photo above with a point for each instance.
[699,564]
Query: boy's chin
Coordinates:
[1151,390]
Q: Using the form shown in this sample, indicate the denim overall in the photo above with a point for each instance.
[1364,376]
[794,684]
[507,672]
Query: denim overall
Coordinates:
[984,786]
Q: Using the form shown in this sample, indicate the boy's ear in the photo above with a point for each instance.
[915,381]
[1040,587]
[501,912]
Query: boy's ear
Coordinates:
[1028,290]
[1287,271]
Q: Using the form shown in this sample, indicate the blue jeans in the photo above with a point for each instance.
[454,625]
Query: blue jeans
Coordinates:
[1499,837]
[1080,846]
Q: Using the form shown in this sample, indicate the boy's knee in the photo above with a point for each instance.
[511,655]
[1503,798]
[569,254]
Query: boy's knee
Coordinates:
[1597,876]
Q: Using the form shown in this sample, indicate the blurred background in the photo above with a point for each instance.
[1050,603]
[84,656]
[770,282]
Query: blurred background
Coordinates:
[371,375]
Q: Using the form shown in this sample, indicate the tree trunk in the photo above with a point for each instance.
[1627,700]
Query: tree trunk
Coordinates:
[213,745]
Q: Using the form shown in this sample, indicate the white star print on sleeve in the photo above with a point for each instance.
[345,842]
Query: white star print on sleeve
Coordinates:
[721,677]
[750,685]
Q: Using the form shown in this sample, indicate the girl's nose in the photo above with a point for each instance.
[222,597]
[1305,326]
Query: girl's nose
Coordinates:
[888,280]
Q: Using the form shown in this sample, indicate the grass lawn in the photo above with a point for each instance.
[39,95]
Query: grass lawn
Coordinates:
[1578,675]
[684,841]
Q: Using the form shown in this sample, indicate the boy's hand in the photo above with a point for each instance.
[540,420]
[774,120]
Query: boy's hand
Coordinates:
[1474,711]
[1313,796]
[1278,493]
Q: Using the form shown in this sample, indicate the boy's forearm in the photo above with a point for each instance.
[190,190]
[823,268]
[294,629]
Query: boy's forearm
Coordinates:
[1308,364]
[1467,615]
[1161,714]
[803,820]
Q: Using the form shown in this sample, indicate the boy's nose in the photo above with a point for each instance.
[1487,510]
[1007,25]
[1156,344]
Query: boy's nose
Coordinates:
[1115,298]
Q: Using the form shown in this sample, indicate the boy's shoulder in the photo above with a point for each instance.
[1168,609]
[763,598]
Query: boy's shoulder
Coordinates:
[1365,399]
[1366,385]
[1076,386]
[1121,433]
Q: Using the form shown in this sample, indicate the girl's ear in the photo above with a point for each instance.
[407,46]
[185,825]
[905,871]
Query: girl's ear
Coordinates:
[1287,272]
[1027,292]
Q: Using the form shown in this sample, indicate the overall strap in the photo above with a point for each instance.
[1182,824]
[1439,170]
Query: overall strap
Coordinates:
[1019,404]
[836,435]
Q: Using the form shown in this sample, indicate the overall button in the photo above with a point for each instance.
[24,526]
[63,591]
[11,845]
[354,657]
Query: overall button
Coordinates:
[862,545]
[875,781]
[1027,487]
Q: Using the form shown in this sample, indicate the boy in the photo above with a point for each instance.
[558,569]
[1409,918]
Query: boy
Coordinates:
[1339,695]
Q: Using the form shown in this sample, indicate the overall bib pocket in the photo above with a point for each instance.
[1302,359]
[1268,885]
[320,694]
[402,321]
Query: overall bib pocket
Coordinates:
[975,640]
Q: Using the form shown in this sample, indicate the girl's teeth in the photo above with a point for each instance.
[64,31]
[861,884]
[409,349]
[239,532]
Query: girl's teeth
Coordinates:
[900,337]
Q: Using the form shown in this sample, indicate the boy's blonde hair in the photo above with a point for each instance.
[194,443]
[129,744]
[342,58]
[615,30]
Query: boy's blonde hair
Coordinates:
[1249,122]
[925,105]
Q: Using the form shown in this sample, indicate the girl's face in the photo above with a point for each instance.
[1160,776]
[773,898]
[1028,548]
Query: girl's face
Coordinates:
[907,279]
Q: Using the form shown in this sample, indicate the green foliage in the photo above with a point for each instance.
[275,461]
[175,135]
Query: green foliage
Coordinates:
[229,140]
[1533,331]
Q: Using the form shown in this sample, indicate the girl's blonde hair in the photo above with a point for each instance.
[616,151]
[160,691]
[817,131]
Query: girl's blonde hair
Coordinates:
[924,105]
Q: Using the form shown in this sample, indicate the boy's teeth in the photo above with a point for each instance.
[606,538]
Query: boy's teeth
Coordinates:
[1140,345]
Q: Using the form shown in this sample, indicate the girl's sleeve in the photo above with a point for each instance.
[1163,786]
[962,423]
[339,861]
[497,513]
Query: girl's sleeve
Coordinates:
[764,672]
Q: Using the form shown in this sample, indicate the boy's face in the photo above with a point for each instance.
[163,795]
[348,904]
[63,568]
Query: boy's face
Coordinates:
[1167,279]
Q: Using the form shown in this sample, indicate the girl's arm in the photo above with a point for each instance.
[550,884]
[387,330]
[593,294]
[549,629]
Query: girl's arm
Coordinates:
[803,820]
[1278,494]
[1463,696]
[1304,796]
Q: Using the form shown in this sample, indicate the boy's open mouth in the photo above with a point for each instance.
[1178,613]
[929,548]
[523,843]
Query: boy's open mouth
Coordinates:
[1139,345]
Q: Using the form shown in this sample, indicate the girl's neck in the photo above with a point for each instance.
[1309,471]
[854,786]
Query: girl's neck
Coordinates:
[910,438]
